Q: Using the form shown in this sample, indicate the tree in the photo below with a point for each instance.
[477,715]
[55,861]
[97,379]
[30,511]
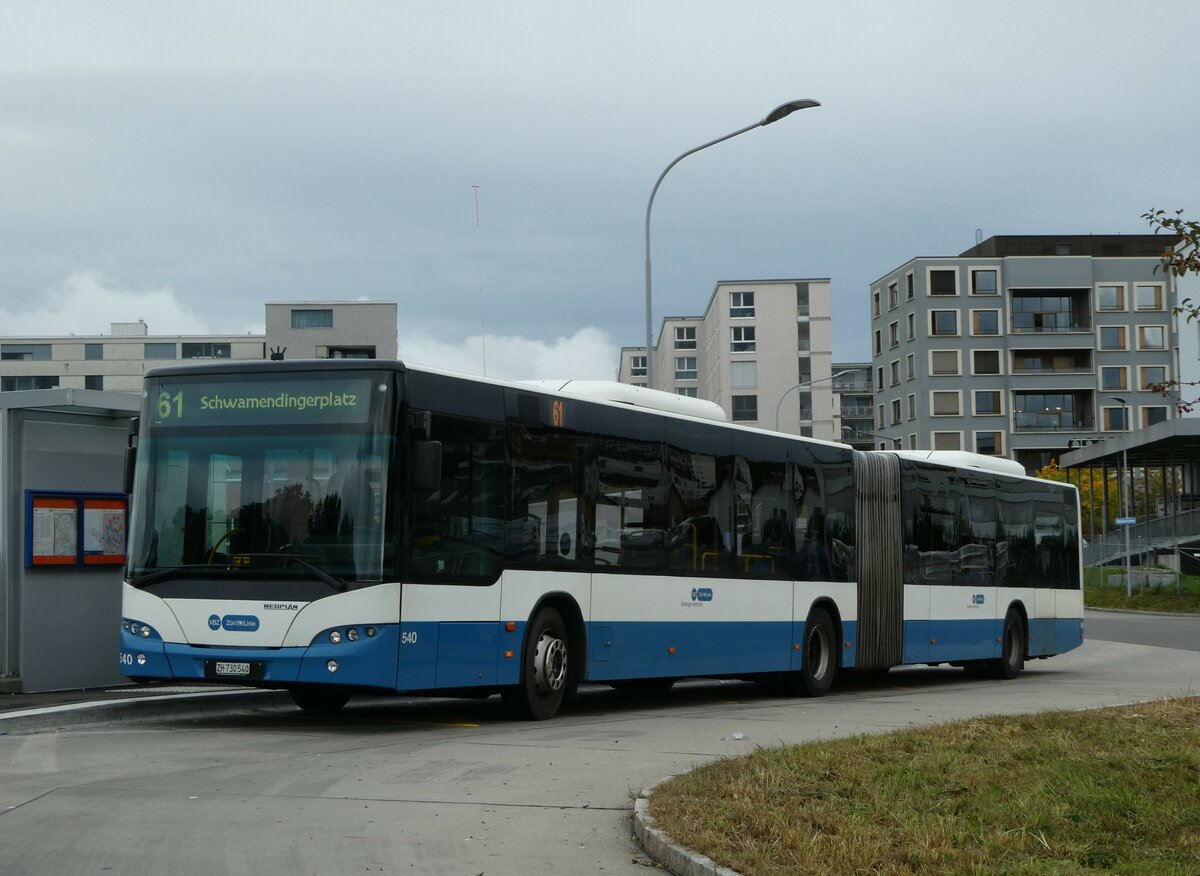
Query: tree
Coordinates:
[1179,259]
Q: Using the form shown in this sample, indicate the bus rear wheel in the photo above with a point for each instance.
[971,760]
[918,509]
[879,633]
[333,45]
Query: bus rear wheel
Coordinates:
[1012,647]
[322,700]
[545,669]
[820,657]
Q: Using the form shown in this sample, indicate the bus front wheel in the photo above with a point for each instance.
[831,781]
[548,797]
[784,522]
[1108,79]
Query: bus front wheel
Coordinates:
[544,669]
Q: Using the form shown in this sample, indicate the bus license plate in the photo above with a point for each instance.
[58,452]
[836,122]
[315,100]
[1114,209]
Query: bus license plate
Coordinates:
[232,668]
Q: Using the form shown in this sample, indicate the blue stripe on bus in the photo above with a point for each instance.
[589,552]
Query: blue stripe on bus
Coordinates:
[940,641]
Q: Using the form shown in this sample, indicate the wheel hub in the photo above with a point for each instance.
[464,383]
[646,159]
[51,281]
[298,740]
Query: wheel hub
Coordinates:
[550,664]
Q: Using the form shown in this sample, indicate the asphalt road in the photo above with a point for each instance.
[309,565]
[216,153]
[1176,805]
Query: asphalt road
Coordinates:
[453,786]
[1167,631]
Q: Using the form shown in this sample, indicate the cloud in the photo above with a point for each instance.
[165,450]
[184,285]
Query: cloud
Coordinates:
[590,353]
[87,303]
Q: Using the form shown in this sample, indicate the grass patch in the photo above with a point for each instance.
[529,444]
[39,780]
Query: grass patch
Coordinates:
[1104,587]
[1062,792]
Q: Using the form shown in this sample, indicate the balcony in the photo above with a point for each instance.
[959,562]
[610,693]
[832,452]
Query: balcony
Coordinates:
[860,411]
[1051,422]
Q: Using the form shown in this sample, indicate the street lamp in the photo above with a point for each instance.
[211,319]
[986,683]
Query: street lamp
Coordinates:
[1124,489]
[780,112]
[799,386]
[846,429]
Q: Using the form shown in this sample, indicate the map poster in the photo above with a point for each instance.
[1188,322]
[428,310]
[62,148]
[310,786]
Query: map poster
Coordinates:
[54,531]
[103,530]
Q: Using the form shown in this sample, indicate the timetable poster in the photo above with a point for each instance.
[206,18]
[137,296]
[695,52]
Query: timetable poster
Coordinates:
[55,531]
[103,530]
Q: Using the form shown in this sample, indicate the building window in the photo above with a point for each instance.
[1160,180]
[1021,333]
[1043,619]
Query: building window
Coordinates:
[893,296]
[741,339]
[894,367]
[1148,297]
[943,281]
[943,363]
[25,352]
[206,351]
[943,323]
[93,381]
[985,361]
[158,351]
[1152,377]
[1151,337]
[1112,337]
[745,408]
[802,299]
[989,443]
[1114,420]
[311,319]
[741,305]
[685,367]
[878,379]
[947,440]
[743,375]
[1115,377]
[688,391]
[908,286]
[878,342]
[1153,415]
[985,322]
[1110,298]
[637,366]
[896,412]
[875,303]
[1062,249]
[13,384]
[912,405]
[912,326]
[893,335]
[946,403]
[910,367]
[347,352]
[879,423]
[983,281]
[92,352]
[987,403]
[685,337]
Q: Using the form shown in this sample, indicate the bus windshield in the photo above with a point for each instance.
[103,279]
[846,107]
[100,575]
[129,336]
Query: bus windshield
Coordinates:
[239,476]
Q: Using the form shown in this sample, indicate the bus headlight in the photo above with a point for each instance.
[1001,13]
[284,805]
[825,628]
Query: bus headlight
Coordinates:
[352,634]
[145,631]
[332,666]
[335,636]
[141,659]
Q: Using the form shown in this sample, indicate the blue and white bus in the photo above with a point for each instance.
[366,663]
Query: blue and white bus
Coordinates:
[350,526]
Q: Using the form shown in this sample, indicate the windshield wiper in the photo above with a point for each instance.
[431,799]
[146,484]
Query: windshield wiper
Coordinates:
[142,581]
[332,580]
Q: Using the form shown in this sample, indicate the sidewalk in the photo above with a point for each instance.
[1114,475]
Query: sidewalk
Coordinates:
[41,711]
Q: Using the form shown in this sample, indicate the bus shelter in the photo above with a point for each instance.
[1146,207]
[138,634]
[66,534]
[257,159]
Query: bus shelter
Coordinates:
[63,519]
[1156,471]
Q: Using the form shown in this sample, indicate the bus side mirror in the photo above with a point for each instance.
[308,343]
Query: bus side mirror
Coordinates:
[427,465]
[131,453]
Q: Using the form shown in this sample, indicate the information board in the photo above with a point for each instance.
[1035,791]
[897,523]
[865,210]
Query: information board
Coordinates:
[75,529]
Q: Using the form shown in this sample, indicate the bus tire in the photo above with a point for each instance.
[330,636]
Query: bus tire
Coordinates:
[545,670]
[323,700]
[820,656]
[1012,647]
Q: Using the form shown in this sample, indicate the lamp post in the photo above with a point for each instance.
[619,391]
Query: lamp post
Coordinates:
[846,429]
[1124,495]
[799,386]
[780,112]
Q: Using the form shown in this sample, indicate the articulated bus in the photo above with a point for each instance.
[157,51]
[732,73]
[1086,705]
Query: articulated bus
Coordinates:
[349,526]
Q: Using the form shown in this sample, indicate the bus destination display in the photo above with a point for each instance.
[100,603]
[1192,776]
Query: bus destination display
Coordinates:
[229,402]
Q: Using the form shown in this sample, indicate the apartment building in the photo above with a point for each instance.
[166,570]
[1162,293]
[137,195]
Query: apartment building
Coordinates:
[761,350]
[1022,344]
[117,361]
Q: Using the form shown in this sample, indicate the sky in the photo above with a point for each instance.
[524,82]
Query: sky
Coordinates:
[487,165]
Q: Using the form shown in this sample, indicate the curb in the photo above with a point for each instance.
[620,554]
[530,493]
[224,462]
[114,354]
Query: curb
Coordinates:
[658,845]
[186,706]
[1140,611]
